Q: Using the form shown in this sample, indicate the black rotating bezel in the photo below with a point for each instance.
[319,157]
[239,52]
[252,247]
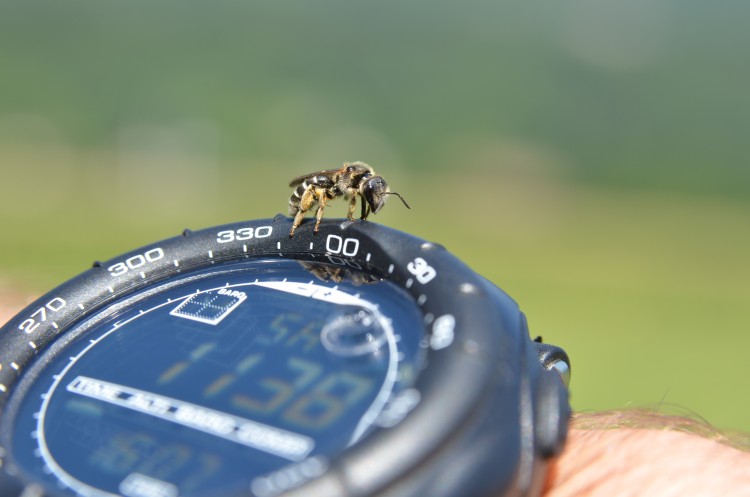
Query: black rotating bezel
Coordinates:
[477,390]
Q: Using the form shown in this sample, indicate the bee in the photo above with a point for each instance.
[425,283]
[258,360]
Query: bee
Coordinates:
[352,180]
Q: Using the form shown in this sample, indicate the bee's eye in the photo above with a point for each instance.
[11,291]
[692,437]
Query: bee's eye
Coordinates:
[377,183]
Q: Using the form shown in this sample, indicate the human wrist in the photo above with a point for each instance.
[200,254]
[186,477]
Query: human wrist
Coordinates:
[632,454]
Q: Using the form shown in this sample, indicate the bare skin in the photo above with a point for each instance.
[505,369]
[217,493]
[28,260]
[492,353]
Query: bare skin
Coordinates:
[650,461]
[11,302]
[623,454]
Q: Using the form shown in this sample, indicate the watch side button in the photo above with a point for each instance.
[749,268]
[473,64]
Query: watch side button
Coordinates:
[553,358]
[552,415]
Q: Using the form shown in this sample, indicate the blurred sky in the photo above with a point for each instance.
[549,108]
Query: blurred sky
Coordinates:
[589,156]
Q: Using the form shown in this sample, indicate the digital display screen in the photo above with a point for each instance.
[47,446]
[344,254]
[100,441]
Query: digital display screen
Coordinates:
[209,387]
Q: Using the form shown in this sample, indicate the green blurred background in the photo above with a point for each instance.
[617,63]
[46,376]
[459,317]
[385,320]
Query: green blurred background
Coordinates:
[589,156]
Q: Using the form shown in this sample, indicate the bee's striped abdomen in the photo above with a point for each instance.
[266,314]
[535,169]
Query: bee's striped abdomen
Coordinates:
[319,181]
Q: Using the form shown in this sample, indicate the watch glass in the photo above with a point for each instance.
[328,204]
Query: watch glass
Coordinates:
[221,381]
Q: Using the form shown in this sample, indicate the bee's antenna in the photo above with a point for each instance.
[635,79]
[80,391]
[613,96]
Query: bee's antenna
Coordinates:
[399,196]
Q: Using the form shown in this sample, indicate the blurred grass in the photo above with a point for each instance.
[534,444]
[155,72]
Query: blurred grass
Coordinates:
[588,156]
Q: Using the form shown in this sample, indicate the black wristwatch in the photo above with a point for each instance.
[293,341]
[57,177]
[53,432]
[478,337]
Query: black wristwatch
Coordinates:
[238,361]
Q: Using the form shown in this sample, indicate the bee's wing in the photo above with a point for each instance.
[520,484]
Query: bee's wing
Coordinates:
[299,179]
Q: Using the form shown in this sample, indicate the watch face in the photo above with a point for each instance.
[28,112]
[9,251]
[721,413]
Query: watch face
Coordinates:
[218,383]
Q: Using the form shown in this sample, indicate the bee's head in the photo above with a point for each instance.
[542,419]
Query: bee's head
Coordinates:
[375,191]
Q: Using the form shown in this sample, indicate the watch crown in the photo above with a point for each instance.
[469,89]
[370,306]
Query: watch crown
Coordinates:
[554,358]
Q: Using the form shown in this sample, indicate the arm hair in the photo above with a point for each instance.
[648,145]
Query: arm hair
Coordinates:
[643,453]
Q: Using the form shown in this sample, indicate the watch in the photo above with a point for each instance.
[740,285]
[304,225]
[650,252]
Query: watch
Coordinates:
[237,361]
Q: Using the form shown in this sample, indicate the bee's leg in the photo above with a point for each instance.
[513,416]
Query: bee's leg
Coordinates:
[365,210]
[352,203]
[297,221]
[321,206]
[306,201]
